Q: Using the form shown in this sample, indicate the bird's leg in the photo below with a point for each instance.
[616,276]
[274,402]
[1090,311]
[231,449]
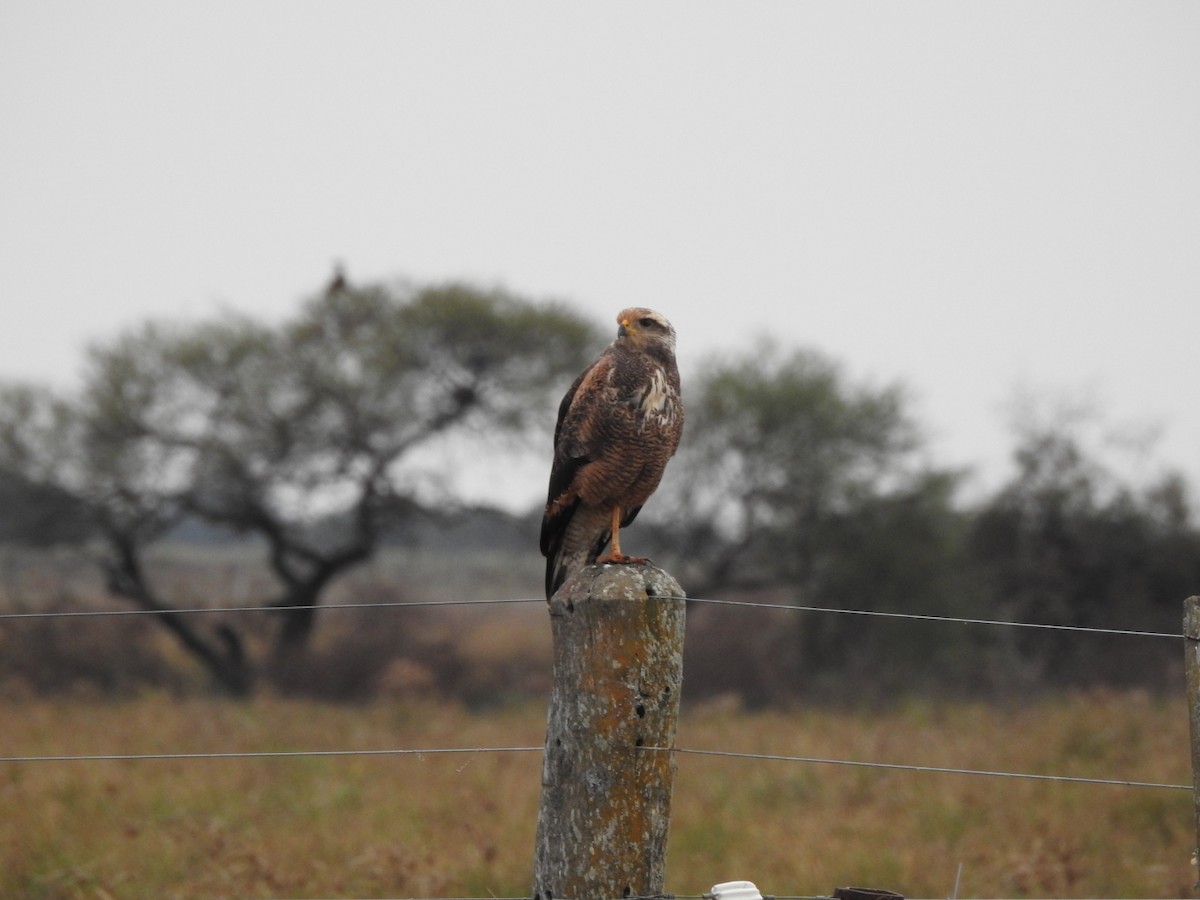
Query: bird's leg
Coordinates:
[614,554]
[615,551]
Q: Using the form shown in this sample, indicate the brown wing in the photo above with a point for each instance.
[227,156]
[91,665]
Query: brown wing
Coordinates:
[586,450]
[560,501]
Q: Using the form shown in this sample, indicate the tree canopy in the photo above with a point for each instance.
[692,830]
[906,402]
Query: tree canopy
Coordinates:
[794,484]
[296,433]
[778,445]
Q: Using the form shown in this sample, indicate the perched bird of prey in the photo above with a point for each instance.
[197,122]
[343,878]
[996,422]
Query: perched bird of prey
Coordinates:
[617,426]
[338,282]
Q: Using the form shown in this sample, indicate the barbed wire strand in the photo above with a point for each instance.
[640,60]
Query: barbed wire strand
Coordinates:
[494,601]
[952,620]
[286,754]
[943,770]
[435,751]
[261,754]
[272,608]
[415,604]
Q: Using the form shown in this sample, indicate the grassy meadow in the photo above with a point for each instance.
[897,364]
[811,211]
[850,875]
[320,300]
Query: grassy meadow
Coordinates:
[463,824]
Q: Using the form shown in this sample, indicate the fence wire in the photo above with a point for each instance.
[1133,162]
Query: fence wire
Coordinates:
[263,754]
[270,608]
[439,751]
[393,752]
[421,753]
[425,604]
[941,770]
[951,620]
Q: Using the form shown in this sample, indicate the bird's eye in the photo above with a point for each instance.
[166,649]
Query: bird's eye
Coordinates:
[647,322]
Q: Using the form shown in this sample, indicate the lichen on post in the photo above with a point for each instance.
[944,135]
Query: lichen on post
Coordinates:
[618,670]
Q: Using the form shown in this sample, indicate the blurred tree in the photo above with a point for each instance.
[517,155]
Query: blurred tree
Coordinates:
[1065,542]
[777,446]
[113,482]
[36,511]
[801,487]
[296,434]
[792,479]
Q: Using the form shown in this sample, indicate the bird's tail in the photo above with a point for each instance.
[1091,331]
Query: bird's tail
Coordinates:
[566,558]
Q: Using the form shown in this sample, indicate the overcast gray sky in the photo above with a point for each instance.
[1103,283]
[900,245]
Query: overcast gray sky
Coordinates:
[969,198]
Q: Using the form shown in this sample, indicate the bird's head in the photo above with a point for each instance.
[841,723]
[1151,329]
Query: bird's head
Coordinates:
[640,327]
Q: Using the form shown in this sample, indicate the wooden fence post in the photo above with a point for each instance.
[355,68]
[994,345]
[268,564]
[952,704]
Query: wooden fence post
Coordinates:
[1191,650]
[618,669]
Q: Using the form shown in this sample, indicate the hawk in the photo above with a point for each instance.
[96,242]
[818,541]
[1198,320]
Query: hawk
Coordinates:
[618,425]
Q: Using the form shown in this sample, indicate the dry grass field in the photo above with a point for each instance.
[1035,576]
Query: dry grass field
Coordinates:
[462,825]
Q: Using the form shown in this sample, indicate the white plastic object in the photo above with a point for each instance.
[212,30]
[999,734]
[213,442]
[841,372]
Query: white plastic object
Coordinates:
[736,890]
